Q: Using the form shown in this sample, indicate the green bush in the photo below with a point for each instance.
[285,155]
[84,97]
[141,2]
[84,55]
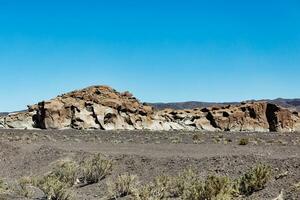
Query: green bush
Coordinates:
[255,179]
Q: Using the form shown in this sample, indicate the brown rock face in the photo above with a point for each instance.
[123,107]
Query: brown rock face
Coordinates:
[101,107]
[98,107]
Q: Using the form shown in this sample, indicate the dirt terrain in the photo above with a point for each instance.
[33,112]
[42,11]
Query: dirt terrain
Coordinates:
[148,154]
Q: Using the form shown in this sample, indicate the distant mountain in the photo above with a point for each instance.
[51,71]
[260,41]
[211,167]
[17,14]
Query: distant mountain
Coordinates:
[7,113]
[3,113]
[189,105]
[288,103]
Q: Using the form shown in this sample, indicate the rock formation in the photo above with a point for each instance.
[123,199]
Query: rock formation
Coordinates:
[101,107]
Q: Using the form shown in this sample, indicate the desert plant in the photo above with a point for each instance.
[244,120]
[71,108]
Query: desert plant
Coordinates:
[144,193]
[66,172]
[124,185]
[197,138]
[188,186]
[185,183]
[217,188]
[255,179]
[244,141]
[23,187]
[296,186]
[55,185]
[192,191]
[54,189]
[95,168]
[149,192]
[163,187]
[2,186]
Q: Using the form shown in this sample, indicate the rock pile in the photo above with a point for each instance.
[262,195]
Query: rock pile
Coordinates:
[101,107]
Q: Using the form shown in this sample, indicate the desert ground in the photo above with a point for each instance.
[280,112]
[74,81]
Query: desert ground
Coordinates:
[148,154]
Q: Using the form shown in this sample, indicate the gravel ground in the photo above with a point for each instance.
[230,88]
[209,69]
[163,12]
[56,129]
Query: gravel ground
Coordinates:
[148,154]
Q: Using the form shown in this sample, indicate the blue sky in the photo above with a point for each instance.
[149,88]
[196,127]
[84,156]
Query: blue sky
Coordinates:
[160,50]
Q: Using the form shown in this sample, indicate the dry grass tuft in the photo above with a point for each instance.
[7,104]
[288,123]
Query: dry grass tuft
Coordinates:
[124,185]
[66,172]
[95,168]
[187,186]
[255,179]
[24,187]
[54,189]
[2,186]
[244,141]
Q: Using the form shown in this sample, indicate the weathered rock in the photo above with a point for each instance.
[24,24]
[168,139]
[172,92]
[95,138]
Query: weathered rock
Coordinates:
[18,121]
[101,107]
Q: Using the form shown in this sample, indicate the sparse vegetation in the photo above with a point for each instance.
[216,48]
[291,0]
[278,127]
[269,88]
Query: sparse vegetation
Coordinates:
[55,185]
[197,138]
[176,140]
[24,187]
[54,189]
[188,186]
[66,172]
[244,141]
[217,188]
[255,179]
[95,168]
[124,185]
[164,187]
[2,186]
[297,186]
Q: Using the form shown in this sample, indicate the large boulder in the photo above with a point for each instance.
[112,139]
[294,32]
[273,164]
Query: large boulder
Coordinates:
[98,107]
[22,120]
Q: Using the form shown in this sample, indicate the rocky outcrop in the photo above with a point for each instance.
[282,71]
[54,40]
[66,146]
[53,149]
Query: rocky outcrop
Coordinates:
[22,120]
[257,116]
[101,107]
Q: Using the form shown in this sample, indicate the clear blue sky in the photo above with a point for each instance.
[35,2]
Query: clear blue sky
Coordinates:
[160,50]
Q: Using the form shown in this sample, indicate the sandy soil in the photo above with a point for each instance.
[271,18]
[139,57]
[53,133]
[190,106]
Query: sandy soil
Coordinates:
[147,154]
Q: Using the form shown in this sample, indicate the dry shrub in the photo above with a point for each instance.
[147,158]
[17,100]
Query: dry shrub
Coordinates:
[24,187]
[54,189]
[163,187]
[217,188]
[124,185]
[244,141]
[187,186]
[95,168]
[66,172]
[55,185]
[255,179]
[184,183]
[2,186]
[297,186]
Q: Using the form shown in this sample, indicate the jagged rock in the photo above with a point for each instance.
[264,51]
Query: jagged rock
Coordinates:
[101,107]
